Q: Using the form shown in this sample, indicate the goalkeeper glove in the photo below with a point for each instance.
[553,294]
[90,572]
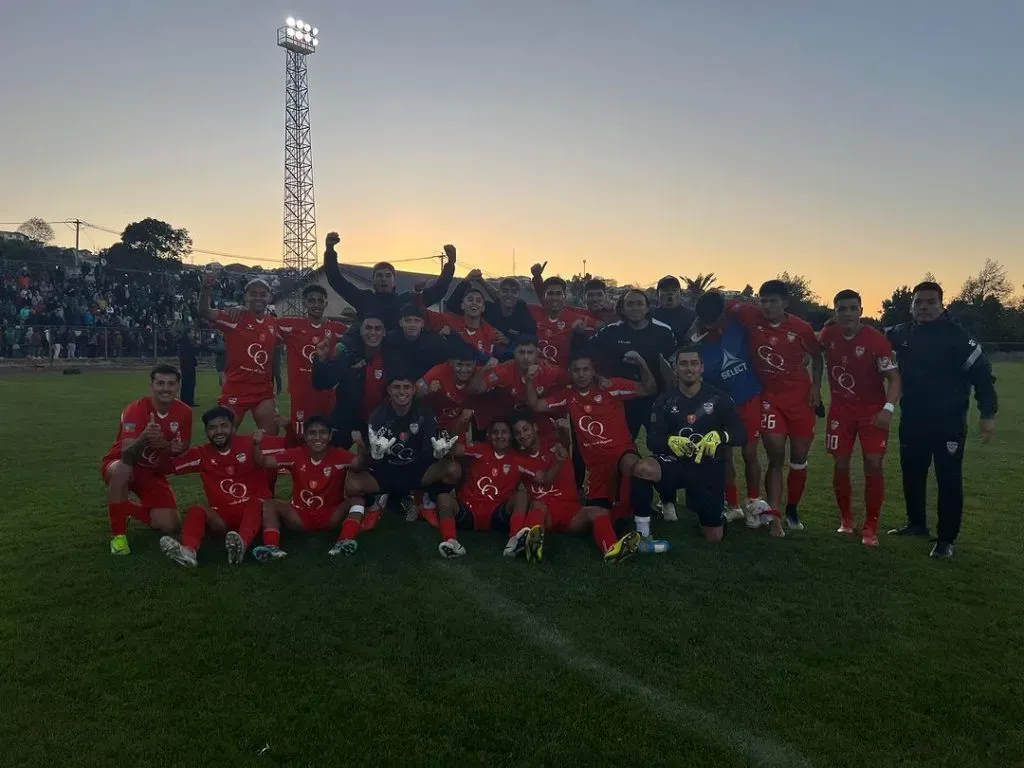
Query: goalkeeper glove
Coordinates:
[443,445]
[380,443]
[681,446]
[708,444]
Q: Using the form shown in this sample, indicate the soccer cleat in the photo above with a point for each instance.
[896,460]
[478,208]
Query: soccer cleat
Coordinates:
[516,544]
[943,550]
[411,509]
[649,546]
[793,518]
[668,512]
[910,530]
[756,509]
[845,528]
[119,545]
[451,548]
[623,548]
[171,547]
[870,539]
[235,546]
[264,553]
[345,547]
[733,514]
[535,544]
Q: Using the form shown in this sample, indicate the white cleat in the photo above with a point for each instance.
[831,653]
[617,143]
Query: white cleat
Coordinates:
[451,548]
[412,511]
[171,547]
[668,512]
[844,529]
[235,546]
[733,514]
[345,547]
[755,513]
[516,543]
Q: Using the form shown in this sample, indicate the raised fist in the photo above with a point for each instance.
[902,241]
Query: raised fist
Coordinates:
[449,252]
[435,386]
[633,358]
[333,238]
[475,274]
[538,269]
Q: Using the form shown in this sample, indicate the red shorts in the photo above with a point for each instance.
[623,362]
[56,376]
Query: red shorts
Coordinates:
[561,513]
[306,404]
[750,414]
[787,413]
[846,424]
[232,514]
[603,476]
[152,487]
[241,403]
[315,519]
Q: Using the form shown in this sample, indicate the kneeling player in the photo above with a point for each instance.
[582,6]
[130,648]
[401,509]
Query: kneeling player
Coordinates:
[153,430]
[406,455]
[235,488]
[689,427]
[490,496]
[554,502]
[318,471]
[604,438]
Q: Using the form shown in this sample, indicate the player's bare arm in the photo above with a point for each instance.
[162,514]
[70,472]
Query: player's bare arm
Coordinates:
[206,309]
[648,383]
[893,392]
[261,459]
[550,475]
[532,399]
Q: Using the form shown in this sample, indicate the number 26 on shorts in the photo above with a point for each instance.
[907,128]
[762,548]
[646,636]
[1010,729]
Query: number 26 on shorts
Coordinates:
[768,421]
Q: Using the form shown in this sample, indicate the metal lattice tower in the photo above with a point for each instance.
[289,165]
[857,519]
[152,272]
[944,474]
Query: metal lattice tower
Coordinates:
[299,40]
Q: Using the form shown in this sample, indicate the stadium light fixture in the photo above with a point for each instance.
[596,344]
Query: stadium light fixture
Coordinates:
[298,36]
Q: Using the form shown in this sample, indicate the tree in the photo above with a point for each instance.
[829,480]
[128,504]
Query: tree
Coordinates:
[929,277]
[702,283]
[157,239]
[799,289]
[38,230]
[896,309]
[991,282]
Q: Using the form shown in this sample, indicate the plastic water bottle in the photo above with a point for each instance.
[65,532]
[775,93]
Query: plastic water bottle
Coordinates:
[654,546]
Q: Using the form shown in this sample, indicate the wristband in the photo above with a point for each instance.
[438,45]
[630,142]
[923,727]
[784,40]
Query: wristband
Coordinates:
[890,407]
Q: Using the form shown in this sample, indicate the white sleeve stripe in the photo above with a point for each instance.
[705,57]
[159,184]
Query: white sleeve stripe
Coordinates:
[972,358]
[188,465]
[617,392]
[559,404]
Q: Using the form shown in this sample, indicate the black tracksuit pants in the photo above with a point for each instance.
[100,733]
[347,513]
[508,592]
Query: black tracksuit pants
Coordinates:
[919,448]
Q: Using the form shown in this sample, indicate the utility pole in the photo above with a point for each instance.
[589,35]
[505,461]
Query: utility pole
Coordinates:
[584,266]
[78,226]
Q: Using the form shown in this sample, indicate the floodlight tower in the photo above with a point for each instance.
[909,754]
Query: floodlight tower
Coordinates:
[299,40]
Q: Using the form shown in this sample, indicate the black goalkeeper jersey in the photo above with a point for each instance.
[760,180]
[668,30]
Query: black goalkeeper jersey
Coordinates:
[676,414]
[412,433]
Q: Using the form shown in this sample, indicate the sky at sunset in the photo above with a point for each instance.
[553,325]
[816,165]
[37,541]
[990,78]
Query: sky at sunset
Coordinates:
[858,143]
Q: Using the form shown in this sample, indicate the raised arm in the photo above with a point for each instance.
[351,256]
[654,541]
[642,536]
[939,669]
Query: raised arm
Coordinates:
[206,310]
[341,284]
[537,270]
[437,290]
[259,458]
[648,383]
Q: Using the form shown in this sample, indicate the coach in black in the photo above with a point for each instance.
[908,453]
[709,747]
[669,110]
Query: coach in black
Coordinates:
[940,362]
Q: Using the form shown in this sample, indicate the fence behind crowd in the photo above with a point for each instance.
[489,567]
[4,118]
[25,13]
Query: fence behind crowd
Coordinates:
[84,343]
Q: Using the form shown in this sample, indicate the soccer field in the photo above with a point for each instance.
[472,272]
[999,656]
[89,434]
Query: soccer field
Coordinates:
[812,650]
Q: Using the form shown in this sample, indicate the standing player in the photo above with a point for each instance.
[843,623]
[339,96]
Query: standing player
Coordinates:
[725,354]
[865,387]
[599,306]
[153,431]
[301,337]
[557,323]
[554,504]
[318,473]
[250,341]
[689,428]
[469,325]
[780,343]
[599,419]
[235,488]
[489,497]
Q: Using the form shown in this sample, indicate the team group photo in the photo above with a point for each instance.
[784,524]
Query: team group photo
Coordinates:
[574,384]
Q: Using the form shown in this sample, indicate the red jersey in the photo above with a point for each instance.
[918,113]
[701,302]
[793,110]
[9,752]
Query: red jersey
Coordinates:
[134,420]
[564,486]
[857,366]
[508,378]
[484,339]
[229,477]
[600,418]
[448,402]
[778,349]
[317,483]
[300,337]
[374,386]
[250,345]
[492,478]
[553,335]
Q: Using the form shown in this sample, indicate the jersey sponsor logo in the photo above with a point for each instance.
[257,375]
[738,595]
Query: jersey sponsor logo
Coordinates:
[403,454]
[771,358]
[310,499]
[234,489]
[591,426]
[149,456]
[257,354]
[308,351]
[548,350]
[731,365]
[843,379]
[859,351]
[487,488]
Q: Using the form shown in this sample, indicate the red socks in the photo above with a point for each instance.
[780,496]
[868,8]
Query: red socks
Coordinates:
[350,529]
[732,495]
[844,494]
[272,537]
[874,497]
[193,528]
[447,526]
[120,511]
[796,481]
[534,517]
[604,532]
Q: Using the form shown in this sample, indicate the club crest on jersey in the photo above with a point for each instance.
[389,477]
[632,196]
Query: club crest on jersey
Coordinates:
[709,408]
[232,401]
[835,425]
[691,418]
[241,457]
[587,409]
[327,471]
[791,336]
[403,436]
[414,428]
[506,468]
[378,374]
[494,472]
[859,351]
[300,415]
[174,426]
[952,447]
[313,484]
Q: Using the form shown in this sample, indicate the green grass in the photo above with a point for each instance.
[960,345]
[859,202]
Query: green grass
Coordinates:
[811,650]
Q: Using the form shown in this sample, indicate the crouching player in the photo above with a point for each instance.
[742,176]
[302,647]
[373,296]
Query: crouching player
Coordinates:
[689,428]
[605,441]
[490,496]
[319,471]
[406,455]
[235,488]
[554,504]
[153,430]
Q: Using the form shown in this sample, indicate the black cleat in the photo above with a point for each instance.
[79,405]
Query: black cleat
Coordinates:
[793,518]
[910,530]
[943,550]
